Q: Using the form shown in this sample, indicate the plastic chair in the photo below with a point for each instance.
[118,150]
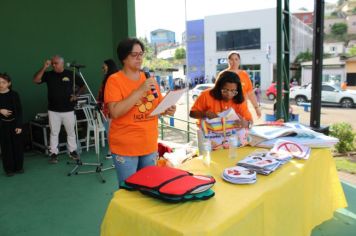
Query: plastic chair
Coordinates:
[95,124]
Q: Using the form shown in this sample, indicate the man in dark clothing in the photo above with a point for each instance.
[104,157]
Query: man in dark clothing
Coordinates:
[61,102]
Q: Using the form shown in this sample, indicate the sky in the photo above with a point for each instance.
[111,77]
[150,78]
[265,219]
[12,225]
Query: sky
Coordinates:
[170,14]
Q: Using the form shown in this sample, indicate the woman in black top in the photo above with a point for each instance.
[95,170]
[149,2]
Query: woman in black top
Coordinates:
[10,128]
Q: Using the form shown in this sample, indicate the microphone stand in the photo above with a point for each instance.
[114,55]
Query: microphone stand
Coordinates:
[95,111]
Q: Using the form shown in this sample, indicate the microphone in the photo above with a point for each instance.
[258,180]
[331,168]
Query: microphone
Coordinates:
[75,65]
[148,75]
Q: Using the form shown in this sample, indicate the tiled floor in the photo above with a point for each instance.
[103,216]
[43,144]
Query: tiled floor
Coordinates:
[348,178]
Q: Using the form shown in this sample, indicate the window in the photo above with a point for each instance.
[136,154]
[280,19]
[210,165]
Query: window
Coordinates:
[238,40]
[327,88]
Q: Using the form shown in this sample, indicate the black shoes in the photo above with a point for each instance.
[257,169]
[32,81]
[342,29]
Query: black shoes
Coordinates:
[74,155]
[53,158]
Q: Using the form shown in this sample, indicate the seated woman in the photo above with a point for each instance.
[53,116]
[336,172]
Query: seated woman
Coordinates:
[226,94]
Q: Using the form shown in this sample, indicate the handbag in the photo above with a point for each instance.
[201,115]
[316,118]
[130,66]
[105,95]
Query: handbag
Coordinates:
[170,184]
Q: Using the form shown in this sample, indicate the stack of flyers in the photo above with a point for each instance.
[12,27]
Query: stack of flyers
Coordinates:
[239,175]
[296,150]
[260,164]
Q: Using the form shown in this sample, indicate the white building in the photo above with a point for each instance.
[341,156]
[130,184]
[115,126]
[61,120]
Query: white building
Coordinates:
[253,34]
[334,48]
[333,71]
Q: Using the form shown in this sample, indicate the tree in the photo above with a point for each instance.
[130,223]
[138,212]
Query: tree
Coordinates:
[303,56]
[151,61]
[339,29]
[179,53]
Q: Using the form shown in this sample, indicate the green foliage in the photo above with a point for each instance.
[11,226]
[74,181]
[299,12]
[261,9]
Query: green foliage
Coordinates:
[352,51]
[334,13]
[343,131]
[303,56]
[150,59]
[339,29]
[346,165]
[179,53]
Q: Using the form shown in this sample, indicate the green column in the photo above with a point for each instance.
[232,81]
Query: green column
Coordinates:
[123,21]
[283,52]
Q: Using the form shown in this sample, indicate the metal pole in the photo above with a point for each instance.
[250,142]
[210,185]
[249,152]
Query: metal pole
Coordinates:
[317,63]
[279,80]
[286,64]
[187,68]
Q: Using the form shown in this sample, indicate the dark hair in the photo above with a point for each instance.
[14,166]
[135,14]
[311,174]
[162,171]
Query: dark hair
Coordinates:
[227,77]
[112,68]
[6,77]
[125,48]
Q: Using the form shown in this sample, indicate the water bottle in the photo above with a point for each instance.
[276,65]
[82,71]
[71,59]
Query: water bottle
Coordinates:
[233,145]
[206,152]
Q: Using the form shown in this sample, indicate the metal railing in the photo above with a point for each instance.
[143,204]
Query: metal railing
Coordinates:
[189,131]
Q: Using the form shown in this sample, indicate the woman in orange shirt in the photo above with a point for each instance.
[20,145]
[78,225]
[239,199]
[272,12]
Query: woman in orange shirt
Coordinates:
[131,97]
[234,65]
[227,93]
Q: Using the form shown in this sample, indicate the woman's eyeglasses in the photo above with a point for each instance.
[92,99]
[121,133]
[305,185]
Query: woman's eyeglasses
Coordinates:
[226,91]
[137,54]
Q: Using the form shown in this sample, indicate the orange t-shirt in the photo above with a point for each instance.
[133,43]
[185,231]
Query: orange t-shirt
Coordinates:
[245,82]
[205,102]
[135,133]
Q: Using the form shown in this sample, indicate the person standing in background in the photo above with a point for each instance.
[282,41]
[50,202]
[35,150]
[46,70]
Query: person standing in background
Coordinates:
[10,128]
[61,102]
[258,94]
[234,61]
[109,68]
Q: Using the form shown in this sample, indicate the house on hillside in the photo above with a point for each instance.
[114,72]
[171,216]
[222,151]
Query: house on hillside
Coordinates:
[334,48]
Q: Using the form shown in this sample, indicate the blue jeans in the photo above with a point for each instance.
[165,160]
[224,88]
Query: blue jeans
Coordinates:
[128,165]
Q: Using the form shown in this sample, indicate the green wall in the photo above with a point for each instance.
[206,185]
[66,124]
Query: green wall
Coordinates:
[86,31]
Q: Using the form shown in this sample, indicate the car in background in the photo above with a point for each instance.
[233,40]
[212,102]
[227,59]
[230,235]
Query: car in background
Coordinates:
[200,88]
[271,92]
[330,94]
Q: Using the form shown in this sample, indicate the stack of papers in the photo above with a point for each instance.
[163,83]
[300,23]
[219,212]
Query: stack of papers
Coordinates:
[239,175]
[286,147]
[259,163]
[267,135]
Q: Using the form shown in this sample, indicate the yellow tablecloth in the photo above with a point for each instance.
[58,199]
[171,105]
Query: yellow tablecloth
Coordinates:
[291,201]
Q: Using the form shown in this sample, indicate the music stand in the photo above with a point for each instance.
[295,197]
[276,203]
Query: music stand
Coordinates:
[78,163]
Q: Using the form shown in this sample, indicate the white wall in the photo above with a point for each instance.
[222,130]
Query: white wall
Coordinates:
[263,19]
[334,48]
[307,74]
